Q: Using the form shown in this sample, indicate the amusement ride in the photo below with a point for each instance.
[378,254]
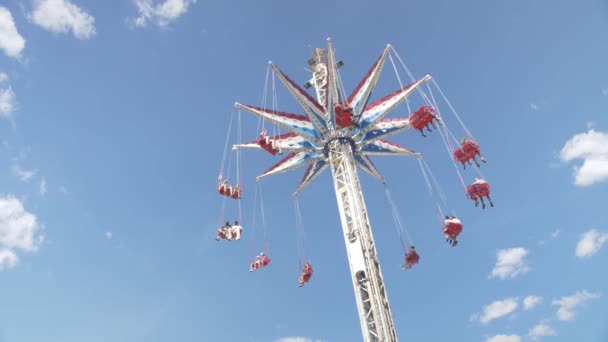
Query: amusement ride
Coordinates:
[341,132]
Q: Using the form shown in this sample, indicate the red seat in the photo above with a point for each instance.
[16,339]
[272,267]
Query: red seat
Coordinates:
[267,144]
[422,117]
[467,152]
[343,115]
[236,192]
[452,228]
[476,191]
[412,258]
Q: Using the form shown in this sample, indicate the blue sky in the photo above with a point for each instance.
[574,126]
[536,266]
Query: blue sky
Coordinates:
[113,115]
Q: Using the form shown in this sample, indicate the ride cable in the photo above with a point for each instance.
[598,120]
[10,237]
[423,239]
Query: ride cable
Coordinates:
[223,163]
[401,229]
[300,234]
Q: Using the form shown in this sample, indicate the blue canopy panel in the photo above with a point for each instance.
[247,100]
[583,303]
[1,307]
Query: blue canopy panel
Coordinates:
[293,161]
[380,108]
[365,164]
[295,123]
[359,97]
[386,148]
[385,128]
[313,109]
[312,173]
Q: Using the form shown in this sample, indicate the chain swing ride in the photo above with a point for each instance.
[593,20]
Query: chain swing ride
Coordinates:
[340,133]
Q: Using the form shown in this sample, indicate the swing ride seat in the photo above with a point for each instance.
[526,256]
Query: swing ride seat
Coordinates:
[452,228]
[343,115]
[466,152]
[260,263]
[475,191]
[422,117]
[235,193]
[412,258]
[222,189]
[267,145]
[306,277]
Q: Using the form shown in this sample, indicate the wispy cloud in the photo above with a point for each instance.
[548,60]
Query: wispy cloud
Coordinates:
[8,259]
[19,230]
[534,106]
[504,338]
[496,309]
[510,263]
[555,233]
[592,148]
[296,339]
[605,91]
[590,243]
[62,16]
[108,235]
[22,174]
[8,101]
[160,13]
[11,42]
[531,301]
[568,304]
[541,330]
[42,187]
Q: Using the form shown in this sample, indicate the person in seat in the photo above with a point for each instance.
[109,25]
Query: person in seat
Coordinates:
[259,262]
[305,275]
[468,145]
[235,192]
[223,232]
[223,187]
[478,190]
[452,229]
[236,230]
[411,258]
[264,138]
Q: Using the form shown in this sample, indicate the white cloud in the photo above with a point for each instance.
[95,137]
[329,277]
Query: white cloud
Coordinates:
[604,91]
[504,338]
[592,148]
[510,263]
[7,102]
[541,330]
[496,310]
[18,227]
[62,16]
[555,233]
[533,106]
[8,259]
[568,304]
[531,301]
[42,188]
[10,40]
[108,235]
[590,243]
[7,96]
[21,174]
[162,14]
[296,339]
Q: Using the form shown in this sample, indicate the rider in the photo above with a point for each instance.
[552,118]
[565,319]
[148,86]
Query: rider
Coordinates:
[260,261]
[236,230]
[305,275]
[411,258]
[450,235]
[463,142]
[474,192]
[223,231]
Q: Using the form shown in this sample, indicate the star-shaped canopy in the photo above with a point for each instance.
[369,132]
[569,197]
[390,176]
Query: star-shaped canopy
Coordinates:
[309,133]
